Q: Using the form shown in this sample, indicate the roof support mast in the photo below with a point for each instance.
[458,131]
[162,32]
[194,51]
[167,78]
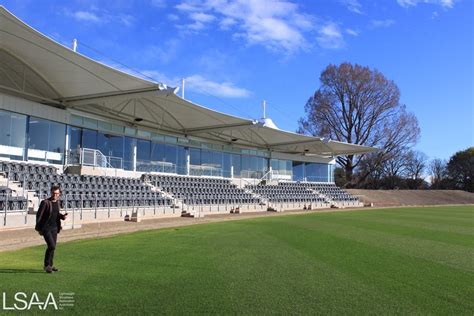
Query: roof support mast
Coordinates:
[182,88]
[74,45]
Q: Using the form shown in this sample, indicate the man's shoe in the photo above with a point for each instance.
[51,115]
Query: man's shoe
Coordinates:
[55,269]
[48,269]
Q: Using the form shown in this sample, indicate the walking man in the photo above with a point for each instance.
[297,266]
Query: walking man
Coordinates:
[48,224]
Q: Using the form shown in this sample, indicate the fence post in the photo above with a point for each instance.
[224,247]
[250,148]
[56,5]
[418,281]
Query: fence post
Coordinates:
[5,206]
[108,204]
[95,213]
[82,204]
[65,204]
[121,205]
[26,210]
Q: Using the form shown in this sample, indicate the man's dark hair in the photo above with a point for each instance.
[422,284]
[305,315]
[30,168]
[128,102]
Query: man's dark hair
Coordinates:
[55,187]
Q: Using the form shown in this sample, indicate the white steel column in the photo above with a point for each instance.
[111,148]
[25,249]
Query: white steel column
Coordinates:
[188,161]
[134,161]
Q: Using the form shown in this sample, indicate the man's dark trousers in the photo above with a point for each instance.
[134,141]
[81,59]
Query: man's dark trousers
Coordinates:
[50,236]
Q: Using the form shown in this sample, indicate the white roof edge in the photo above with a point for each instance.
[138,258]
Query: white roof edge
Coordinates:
[68,55]
[68,50]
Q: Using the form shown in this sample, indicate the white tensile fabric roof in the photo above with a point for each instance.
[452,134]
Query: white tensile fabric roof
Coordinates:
[57,75]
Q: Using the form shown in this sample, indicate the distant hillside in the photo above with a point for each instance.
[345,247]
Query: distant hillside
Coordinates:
[413,197]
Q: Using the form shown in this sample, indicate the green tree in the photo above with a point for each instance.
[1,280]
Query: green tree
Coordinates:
[461,170]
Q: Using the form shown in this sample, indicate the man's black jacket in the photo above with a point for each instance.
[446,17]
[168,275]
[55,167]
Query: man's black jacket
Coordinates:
[44,213]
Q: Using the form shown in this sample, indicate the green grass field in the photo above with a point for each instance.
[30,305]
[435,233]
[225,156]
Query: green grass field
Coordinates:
[387,261]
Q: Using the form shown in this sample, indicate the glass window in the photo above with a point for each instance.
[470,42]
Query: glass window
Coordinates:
[38,134]
[144,134]
[12,134]
[237,164]
[130,131]
[195,156]
[157,151]
[18,130]
[206,157]
[75,135]
[105,126]
[316,172]
[76,120]
[143,150]
[226,164]
[6,124]
[217,159]
[89,139]
[129,145]
[90,123]
[45,138]
[170,140]
[57,137]
[181,163]
[170,154]
[298,171]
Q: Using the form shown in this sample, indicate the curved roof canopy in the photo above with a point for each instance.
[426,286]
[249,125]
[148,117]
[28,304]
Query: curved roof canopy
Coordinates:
[36,67]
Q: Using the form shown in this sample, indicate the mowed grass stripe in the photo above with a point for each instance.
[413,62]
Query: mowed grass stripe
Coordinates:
[459,257]
[314,263]
[448,212]
[403,228]
[437,227]
[391,271]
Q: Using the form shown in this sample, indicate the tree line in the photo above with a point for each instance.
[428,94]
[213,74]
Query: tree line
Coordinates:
[359,105]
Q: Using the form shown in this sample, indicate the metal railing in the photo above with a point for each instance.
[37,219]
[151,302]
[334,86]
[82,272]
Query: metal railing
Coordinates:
[202,170]
[94,158]
[156,166]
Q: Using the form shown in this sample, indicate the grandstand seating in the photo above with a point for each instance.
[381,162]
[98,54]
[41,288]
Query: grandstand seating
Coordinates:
[201,190]
[329,190]
[79,191]
[86,191]
[283,193]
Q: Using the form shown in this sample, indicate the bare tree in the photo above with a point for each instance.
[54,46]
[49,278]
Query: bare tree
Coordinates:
[415,164]
[438,173]
[360,106]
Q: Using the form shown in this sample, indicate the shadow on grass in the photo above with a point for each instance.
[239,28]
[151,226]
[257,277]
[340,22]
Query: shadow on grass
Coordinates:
[21,271]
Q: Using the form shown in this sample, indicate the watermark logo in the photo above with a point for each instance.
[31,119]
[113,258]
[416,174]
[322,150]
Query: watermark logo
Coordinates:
[21,301]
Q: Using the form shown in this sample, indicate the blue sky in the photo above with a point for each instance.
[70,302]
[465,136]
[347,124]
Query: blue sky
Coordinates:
[235,54]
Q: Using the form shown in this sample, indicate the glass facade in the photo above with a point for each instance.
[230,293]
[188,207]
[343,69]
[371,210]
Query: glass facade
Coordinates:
[27,137]
[313,172]
[46,140]
[12,135]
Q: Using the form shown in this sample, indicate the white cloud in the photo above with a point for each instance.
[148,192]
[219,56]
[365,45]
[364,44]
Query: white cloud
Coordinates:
[99,16]
[86,16]
[330,36]
[381,23]
[126,19]
[352,32]
[353,6]
[158,3]
[199,84]
[196,83]
[447,4]
[277,25]
[173,17]
[226,23]
[163,53]
[202,17]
